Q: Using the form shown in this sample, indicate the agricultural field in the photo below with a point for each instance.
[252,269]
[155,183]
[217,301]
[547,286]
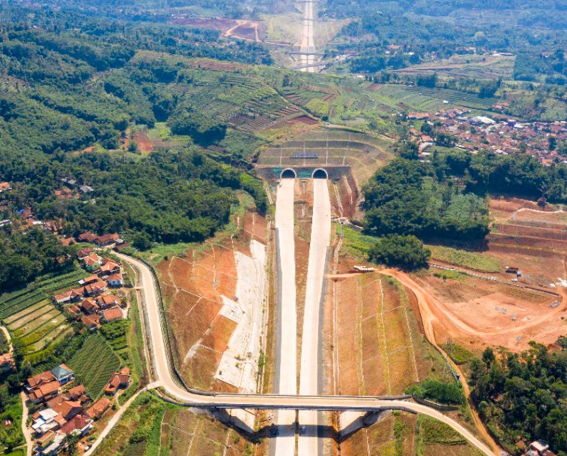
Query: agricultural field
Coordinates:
[424,99]
[34,293]
[468,66]
[32,318]
[94,363]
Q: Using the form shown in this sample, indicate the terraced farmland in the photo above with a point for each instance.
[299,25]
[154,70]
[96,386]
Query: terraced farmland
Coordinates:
[33,319]
[428,100]
[94,363]
[36,292]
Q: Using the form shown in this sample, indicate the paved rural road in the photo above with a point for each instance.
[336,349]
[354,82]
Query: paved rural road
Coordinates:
[165,378]
[286,357]
[310,359]
[25,430]
[114,420]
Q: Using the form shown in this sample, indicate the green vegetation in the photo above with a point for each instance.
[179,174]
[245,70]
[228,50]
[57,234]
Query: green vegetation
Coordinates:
[94,363]
[523,395]
[436,391]
[28,255]
[432,431]
[115,334]
[138,432]
[457,353]
[464,258]
[355,242]
[406,252]
[36,294]
[10,410]
[4,345]
[410,198]
[42,334]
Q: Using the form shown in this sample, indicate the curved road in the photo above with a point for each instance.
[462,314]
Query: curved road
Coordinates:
[165,379]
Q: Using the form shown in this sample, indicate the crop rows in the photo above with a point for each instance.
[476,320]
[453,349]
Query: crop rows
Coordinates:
[94,363]
[57,333]
[17,301]
[21,303]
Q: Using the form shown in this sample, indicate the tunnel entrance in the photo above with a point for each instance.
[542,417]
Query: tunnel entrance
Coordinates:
[320,173]
[288,173]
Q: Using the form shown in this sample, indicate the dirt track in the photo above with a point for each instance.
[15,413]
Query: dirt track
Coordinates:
[440,320]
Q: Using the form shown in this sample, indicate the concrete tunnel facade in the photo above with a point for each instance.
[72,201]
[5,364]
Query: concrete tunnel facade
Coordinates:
[318,173]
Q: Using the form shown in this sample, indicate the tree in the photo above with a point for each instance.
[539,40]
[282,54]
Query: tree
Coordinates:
[406,252]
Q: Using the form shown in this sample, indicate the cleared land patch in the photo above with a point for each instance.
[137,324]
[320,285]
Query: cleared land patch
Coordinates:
[212,294]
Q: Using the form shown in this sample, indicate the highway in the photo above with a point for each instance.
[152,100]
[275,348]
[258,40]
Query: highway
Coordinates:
[286,357]
[308,42]
[164,378]
[310,355]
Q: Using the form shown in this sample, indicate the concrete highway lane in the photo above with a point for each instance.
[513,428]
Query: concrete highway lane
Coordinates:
[310,355]
[286,358]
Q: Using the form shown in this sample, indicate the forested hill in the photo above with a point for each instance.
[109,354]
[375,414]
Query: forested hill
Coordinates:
[68,101]
[53,90]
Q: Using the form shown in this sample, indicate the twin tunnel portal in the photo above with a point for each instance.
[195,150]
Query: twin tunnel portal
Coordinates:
[291,173]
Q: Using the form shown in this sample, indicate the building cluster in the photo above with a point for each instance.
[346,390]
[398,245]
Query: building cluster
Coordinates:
[64,409]
[500,135]
[94,302]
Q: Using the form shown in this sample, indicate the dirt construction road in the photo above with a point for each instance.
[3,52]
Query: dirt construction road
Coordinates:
[310,360]
[164,376]
[286,358]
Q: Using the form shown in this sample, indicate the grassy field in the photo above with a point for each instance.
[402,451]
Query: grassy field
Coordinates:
[94,363]
[464,258]
[152,427]
[434,436]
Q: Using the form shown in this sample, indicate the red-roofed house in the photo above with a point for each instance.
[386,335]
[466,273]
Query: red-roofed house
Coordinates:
[85,252]
[87,237]
[107,301]
[79,425]
[39,379]
[44,392]
[98,409]
[5,187]
[89,306]
[109,267]
[95,289]
[108,239]
[92,262]
[88,280]
[91,321]
[7,362]
[115,313]
[115,280]
[121,379]
[68,296]
[68,409]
